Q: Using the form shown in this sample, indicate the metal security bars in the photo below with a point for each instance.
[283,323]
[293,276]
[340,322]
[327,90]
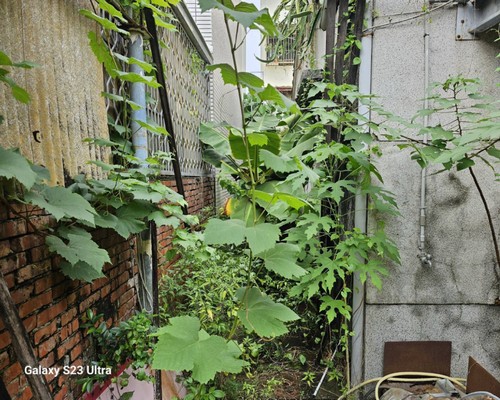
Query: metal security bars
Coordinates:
[282,50]
[188,86]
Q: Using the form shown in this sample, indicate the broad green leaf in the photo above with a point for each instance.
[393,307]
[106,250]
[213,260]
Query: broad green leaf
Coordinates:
[195,350]
[168,26]
[250,80]
[334,307]
[278,163]
[81,270]
[103,54]
[282,259]
[63,203]
[5,59]
[214,138]
[494,152]
[104,22]
[162,220]
[20,94]
[131,60]
[273,198]
[257,139]
[260,314]
[227,72]
[262,237]
[270,93]
[78,247]
[244,210]
[111,10]
[238,148]
[229,231]
[14,165]
[134,77]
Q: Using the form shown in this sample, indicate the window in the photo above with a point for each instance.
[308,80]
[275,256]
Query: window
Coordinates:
[282,51]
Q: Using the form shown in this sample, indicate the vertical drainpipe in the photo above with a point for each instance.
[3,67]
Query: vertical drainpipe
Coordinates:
[361,215]
[140,144]
[425,258]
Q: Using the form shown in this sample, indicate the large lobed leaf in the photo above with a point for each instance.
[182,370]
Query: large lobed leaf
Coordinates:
[62,203]
[260,314]
[182,346]
[282,259]
[85,258]
[14,165]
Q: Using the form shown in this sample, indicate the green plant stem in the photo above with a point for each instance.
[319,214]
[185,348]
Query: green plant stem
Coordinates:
[488,214]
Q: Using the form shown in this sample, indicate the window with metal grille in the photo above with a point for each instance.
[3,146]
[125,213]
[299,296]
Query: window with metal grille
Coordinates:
[282,51]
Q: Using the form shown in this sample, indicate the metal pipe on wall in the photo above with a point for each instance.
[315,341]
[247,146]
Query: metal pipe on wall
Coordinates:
[425,258]
[361,215]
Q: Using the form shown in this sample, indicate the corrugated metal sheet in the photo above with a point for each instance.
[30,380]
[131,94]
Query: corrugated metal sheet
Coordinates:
[65,88]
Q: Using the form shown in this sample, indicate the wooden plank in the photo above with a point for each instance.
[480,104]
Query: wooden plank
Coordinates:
[21,342]
[433,357]
[479,379]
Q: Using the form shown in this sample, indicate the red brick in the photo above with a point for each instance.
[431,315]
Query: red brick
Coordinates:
[87,303]
[61,395]
[30,323]
[5,248]
[42,284]
[51,313]
[33,270]
[126,296]
[76,352]
[10,280]
[21,294]
[48,361]
[26,394]
[4,340]
[12,228]
[12,372]
[41,222]
[68,316]
[45,347]
[35,303]
[105,291]
[39,253]
[26,242]
[66,346]
[45,332]
[4,360]
[13,262]
[13,388]
[118,292]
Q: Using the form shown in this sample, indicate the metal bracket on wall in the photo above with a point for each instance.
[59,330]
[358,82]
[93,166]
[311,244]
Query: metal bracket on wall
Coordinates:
[476,17]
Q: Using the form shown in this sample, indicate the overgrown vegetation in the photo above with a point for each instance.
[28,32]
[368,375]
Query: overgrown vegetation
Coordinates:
[465,131]
[128,344]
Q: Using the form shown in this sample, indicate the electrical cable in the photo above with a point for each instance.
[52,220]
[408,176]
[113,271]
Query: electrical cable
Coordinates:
[423,14]
[424,376]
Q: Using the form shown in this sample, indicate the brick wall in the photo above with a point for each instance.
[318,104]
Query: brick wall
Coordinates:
[199,193]
[51,305]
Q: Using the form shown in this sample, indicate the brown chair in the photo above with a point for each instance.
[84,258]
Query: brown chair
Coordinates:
[480,380]
[433,357]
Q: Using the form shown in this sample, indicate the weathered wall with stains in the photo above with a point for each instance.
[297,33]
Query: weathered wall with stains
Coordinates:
[66,104]
[455,298]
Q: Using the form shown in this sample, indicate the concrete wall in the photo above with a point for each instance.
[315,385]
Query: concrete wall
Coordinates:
[454,299]
[65,88]
[226,103]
